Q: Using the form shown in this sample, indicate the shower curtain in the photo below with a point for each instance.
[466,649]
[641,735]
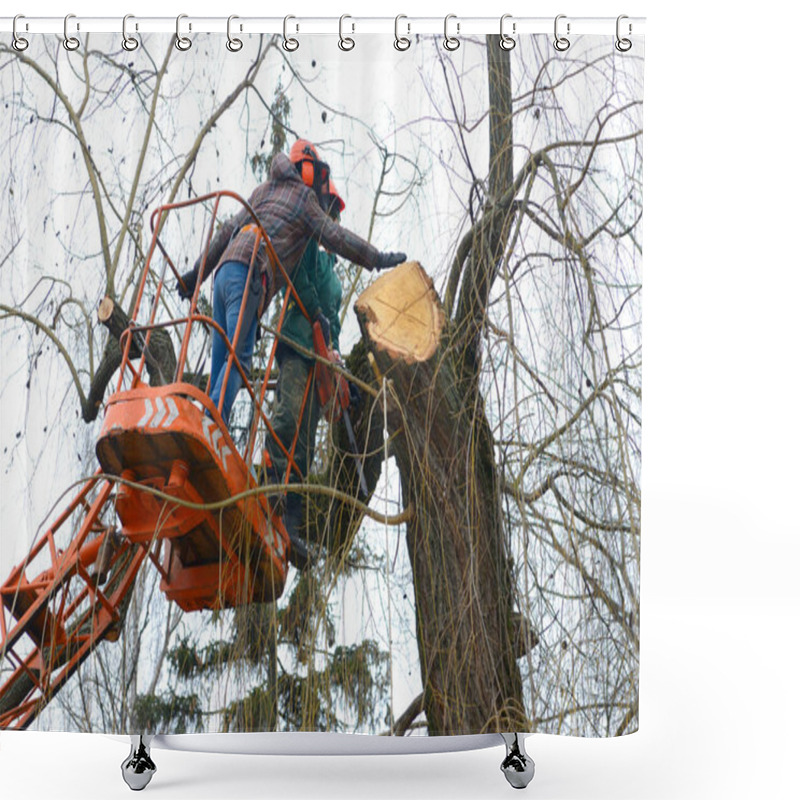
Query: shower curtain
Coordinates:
[471,519]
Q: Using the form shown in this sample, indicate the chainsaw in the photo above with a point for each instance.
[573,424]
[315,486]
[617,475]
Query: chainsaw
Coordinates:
[333,391]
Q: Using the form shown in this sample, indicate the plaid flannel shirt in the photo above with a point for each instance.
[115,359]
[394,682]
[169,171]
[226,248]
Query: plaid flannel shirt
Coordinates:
[291,214]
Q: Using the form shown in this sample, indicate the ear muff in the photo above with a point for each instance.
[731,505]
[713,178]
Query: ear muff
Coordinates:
[334,198]
[307,173]
[315,174]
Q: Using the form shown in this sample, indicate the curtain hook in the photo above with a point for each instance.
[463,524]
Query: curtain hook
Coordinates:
[623,45]
[70,42]
[401,42]
[19,43]
[561,43]
[345,42]
[233,44]
[183,43]
[290,44]
[451,42]
[128,42]
[506,41]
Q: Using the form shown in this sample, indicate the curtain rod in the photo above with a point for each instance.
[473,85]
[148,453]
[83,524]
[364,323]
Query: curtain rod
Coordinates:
[457,26]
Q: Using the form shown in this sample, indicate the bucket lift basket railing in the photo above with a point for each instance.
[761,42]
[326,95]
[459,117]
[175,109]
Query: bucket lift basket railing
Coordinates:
[132,374]
[72,589]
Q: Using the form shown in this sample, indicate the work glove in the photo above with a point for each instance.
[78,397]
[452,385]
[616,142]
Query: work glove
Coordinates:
[186,284]
[324,324]
[389,260]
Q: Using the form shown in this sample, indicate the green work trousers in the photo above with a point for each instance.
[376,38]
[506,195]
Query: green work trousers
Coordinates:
[291,417]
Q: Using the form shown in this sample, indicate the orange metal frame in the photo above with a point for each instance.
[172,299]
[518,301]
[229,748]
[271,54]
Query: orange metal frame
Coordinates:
[51,623]
[157,222]
[185,499]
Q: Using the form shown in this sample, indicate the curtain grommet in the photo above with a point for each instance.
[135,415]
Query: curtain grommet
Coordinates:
[182,43]
[451,42]
[233,44]
[129,43]
[19,43]
[401,43]
[507,42]
[561,43]
[346,43]
[70,42]
[290,44]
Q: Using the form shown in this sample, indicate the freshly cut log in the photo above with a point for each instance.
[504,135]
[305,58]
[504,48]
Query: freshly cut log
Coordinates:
[160,358]
[402,315]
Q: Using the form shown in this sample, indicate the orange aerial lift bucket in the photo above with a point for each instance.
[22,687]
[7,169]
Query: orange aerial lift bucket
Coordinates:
[169,445]
[183,478]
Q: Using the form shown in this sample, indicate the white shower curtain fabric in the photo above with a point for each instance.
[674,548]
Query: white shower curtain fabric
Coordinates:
[471,520]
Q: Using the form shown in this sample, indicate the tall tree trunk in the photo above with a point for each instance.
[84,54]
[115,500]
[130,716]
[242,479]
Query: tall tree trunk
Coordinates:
[468,634]
[490,234]
[444,450]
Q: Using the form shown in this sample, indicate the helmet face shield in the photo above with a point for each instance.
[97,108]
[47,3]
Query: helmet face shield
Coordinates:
[322,178]
[333,204]
[331,207]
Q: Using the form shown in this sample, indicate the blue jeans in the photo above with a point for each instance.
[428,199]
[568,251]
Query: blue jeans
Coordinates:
[229,285]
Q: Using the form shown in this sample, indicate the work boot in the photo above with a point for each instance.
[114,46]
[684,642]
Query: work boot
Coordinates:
[299,554]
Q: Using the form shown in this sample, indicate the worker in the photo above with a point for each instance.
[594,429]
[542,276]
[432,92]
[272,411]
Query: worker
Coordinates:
[288,208]
[320,291]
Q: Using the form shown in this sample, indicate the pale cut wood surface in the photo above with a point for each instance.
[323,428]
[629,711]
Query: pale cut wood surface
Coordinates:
[404,317]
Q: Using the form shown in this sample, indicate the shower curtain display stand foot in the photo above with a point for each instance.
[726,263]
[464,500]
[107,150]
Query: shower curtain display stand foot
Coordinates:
[138,768]
[517,766]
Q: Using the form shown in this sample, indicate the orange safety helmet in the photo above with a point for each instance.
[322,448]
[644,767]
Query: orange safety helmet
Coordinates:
[314,172]
[334,192]
[304,153]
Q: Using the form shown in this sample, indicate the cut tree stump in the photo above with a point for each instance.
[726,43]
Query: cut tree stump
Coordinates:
[160,356]
[403,314]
